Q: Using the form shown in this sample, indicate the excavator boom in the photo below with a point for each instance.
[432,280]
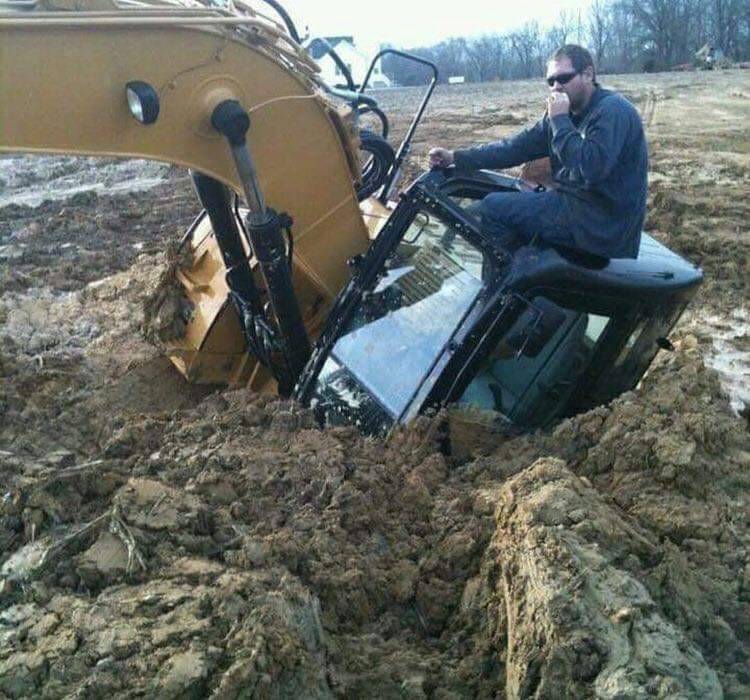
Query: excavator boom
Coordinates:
[63,79]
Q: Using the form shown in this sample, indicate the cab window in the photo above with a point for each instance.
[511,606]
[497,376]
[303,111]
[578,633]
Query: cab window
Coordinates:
[636,353]
[428,284]
[532,371]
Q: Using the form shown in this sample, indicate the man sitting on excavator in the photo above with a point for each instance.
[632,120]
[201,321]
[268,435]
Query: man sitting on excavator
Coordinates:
[595,199]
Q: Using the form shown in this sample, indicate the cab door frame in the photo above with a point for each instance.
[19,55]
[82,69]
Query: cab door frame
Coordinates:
[497,318]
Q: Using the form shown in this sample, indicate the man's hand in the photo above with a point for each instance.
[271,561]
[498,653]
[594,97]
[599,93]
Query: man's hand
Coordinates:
[440,157]
[558,103]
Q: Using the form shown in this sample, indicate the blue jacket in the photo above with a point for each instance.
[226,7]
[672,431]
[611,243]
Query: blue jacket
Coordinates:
[600,164]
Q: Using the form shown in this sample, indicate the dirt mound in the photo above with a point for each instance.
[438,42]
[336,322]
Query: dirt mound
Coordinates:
[708,225]
[72,360]
[673,460]
[576,621]
[235,546]
[163,319]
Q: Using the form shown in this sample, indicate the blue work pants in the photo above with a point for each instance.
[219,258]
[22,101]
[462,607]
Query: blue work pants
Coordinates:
[518,218]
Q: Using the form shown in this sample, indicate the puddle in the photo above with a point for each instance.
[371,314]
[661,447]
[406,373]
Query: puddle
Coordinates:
[30,180]
[730,355]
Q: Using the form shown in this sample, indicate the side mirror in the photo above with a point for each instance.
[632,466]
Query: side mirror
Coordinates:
[535,327]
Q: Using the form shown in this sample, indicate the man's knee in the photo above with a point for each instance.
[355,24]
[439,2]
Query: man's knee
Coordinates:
[495,213]
[497,206]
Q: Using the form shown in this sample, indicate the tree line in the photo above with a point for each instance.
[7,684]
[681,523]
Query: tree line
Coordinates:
[624,36]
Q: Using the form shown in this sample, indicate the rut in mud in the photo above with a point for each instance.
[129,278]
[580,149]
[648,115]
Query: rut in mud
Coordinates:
[172,541]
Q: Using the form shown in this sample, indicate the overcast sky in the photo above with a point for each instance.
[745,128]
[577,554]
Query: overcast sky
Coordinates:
[411,23]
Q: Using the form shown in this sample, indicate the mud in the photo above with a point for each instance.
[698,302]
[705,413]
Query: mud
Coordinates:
[169,541]
[32,181]
[64,244]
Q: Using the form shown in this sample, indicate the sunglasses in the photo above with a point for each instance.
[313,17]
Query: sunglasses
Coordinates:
[563,78]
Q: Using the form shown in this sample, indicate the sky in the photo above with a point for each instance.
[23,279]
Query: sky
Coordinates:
[412,23]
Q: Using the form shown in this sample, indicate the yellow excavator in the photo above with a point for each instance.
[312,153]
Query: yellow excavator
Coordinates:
[226,91]
[410,307]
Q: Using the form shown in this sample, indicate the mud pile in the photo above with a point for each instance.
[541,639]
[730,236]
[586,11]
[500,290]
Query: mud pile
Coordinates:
[173,541]
[236,549]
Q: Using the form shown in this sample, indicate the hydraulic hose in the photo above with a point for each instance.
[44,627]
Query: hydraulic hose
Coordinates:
[385,127]
[341,65]
[287,19]
[375,171]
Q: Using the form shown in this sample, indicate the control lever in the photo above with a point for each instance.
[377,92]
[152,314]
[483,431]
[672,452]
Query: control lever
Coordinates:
[264,226]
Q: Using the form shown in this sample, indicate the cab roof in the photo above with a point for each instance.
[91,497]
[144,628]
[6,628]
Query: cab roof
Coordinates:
[656,272]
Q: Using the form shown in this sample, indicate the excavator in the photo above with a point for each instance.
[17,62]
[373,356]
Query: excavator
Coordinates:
[308,273]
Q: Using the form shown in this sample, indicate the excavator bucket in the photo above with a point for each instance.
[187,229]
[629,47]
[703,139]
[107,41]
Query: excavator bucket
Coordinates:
[211,349]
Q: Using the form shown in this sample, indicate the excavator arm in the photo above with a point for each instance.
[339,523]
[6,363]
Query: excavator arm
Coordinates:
[64,68]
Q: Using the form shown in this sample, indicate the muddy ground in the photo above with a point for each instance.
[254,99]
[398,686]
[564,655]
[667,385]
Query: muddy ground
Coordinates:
[162,540]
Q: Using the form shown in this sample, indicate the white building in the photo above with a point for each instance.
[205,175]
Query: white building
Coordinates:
[350,56]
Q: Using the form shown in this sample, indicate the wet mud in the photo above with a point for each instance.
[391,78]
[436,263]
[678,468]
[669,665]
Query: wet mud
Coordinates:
[164,540]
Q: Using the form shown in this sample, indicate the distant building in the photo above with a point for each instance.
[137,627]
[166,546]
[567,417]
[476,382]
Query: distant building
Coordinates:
[351,57]
[708,56]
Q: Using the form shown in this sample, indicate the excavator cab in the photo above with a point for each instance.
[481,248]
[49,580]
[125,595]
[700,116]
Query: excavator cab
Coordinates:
[436,313]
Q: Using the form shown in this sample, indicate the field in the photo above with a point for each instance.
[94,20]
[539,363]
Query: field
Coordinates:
[162,540]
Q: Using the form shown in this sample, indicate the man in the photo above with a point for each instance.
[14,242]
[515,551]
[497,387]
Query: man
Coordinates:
[599,162]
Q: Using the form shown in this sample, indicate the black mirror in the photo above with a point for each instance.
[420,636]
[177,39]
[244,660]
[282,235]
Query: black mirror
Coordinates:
[535,327]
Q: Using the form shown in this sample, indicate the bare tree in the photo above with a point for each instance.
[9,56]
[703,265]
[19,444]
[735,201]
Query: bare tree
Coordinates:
[488,56]
[451,57]
[599,30]
[726,25]
[525,46]
[666,29]
[563,30]
[623,35]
